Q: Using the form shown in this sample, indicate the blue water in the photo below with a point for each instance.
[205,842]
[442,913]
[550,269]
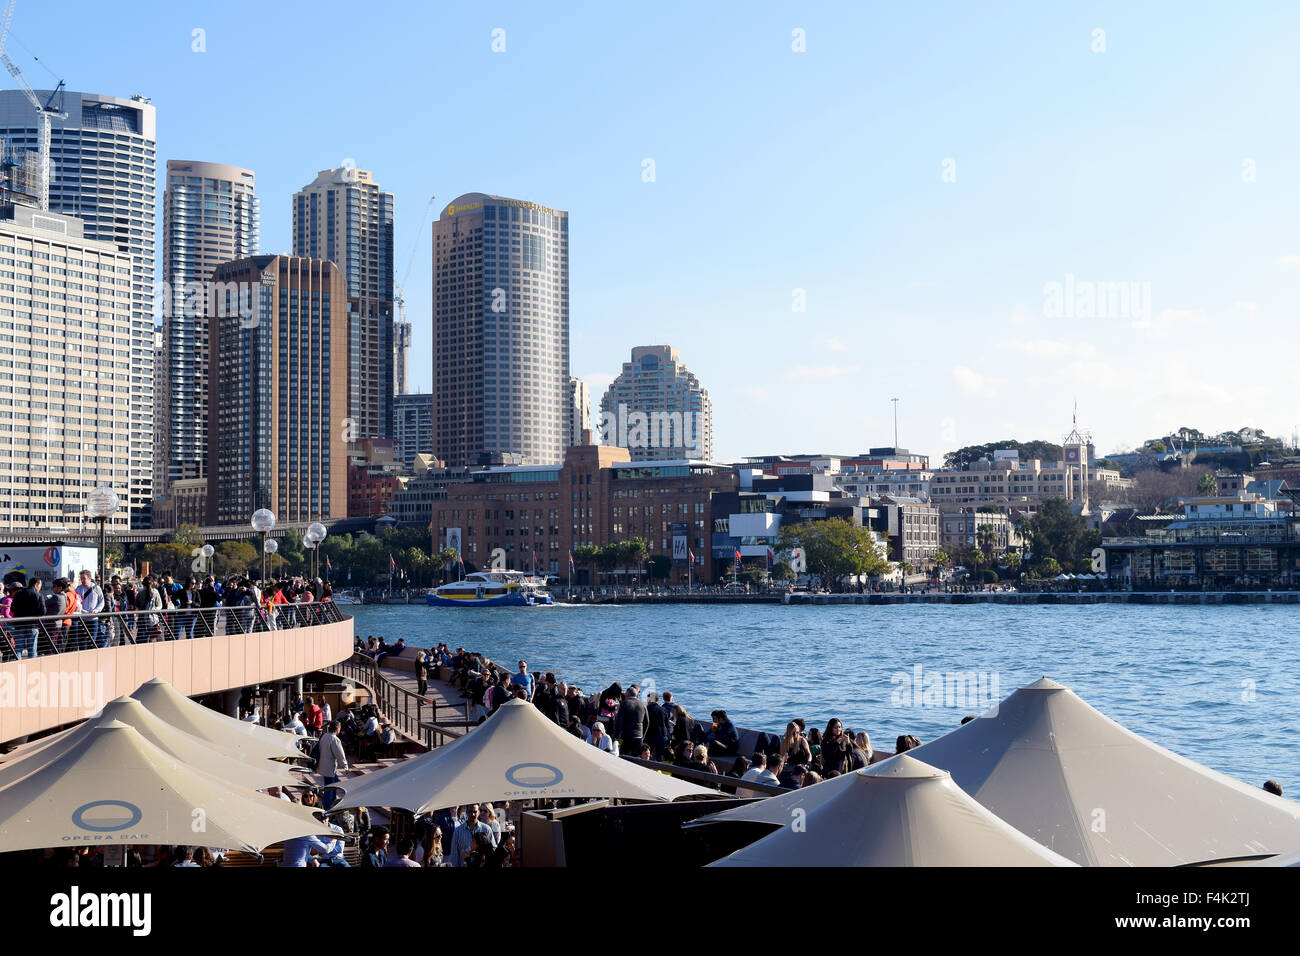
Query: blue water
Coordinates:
[1220,685]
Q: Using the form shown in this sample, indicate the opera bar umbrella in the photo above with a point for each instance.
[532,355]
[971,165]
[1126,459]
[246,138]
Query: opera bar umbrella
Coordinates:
[516,754]
[1063,773]
[206,724]
[223,764]
[115,786]
[899,812]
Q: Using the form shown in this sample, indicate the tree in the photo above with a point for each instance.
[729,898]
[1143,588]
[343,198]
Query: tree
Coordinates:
[1207,485]
[834,549]
[1062,537]
[987,538]
[783,570]
[941,558]
[238,557]
[586,556]
[1048,568]
[661,567]
[965,457]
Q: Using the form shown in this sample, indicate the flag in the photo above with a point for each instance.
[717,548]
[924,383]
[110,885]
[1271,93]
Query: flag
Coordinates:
[570,562]
[392,565]
[328,566]
[691,555]
[770,558]
[737,555]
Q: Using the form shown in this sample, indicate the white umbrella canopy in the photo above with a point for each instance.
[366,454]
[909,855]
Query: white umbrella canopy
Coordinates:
[117,787]
[224,764]
[1065,774]
[516,754]
[193,718]
[899,812]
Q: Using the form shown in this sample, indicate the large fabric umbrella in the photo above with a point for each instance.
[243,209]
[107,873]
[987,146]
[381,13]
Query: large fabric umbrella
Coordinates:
[1061,772]
[193,718]
[516,754]
[899,812]
[114,786]
[224,764]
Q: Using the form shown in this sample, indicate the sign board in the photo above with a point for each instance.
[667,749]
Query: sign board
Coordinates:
[453,539]
[681,542]
[48,562]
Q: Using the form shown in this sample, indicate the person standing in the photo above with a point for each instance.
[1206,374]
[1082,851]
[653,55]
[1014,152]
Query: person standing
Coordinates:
[26,603]
[330,760]
[462,838]
[631,722]
[91,596]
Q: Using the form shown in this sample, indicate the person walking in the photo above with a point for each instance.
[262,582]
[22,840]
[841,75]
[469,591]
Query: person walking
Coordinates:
[330,760]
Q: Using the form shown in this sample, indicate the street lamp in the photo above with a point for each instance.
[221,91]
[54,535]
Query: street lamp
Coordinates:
[208,551]
[263,521]
[310,545]
[100,505]
[316,533]
[269,547]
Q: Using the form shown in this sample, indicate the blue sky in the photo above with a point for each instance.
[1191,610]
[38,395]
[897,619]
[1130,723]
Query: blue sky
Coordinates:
[1168,164]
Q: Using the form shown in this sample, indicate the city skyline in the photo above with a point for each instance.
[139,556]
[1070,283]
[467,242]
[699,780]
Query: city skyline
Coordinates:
[1049,222]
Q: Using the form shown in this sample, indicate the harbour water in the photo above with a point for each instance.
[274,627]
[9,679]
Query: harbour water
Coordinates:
[1219,685]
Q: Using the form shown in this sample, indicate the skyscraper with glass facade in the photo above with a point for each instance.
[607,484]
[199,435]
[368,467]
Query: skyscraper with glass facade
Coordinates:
[500,330]
[104,172]
[344,216]
[210,216]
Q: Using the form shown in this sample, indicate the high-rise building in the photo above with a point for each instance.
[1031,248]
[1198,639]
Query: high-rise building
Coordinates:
[210,216]
[346,218]
[401,358]
[500,330]
[64,405]
[104,162]
[277,390]
[578,411]
[413,427]
[657,408]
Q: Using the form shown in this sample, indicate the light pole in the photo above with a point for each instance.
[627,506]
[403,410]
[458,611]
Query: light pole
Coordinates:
[208,551]
[100,505]
[310,545]
[316,533]
[895,401]
[263,521]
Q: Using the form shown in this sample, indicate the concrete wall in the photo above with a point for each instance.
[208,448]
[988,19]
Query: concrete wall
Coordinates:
[49,691]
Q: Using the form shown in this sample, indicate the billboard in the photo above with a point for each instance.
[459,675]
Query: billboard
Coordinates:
[681,542]
[453,539]
[48,562]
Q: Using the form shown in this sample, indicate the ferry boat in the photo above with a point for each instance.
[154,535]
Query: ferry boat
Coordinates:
[491,589]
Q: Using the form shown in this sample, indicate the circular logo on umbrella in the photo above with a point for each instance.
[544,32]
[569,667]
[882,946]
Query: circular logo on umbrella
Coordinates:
[106,816]
[534,775]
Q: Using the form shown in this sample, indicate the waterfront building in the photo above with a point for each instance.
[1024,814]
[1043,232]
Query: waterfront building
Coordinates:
[500,330]
[533,516]
[412,505]
[1223,541]
[373,477]
[657,408]
[412,427]
[103,161]
[1024,484]
[912,526]
[961,529]
[65,407]
[277,397]
[344,216]
[210,216]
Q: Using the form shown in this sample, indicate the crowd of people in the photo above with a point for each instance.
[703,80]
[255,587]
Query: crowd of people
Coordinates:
[68,617]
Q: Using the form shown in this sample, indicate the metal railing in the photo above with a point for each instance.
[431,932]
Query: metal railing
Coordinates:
[414,716]
[28,637]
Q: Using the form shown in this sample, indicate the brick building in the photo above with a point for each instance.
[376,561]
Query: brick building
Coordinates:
[537,514]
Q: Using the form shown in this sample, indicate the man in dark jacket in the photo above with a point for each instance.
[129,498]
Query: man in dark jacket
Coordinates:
[26,603]
[631,722]
[657,727]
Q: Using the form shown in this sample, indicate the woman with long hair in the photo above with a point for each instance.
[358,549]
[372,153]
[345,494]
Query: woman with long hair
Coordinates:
[862,745]
[682,724]
[837,749]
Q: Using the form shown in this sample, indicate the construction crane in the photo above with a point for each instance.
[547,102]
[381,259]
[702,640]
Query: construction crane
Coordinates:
[46,113]
[410,262]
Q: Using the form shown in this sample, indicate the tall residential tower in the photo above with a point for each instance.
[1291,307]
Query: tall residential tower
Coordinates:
[346,218]
[500,330]
[657,408]
[210,216]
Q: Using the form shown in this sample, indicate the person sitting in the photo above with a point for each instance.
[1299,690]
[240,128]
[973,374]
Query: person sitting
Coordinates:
[599,739]
[723,739]
[405,854]
[905,743]
[377,854]
[794,775]
[1273,787]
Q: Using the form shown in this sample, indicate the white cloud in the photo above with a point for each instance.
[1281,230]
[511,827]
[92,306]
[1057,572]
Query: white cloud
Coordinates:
[835,345]
[755,393]
[1166,319]
[973,383]
[1051,348]
[804,373]
[1291,260]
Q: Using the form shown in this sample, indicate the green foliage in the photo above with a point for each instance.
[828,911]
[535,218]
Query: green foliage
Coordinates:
[237,557]
[1207,485]
[964,457]
[1063,537]
[834,549]
[989,576]
[783,570]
